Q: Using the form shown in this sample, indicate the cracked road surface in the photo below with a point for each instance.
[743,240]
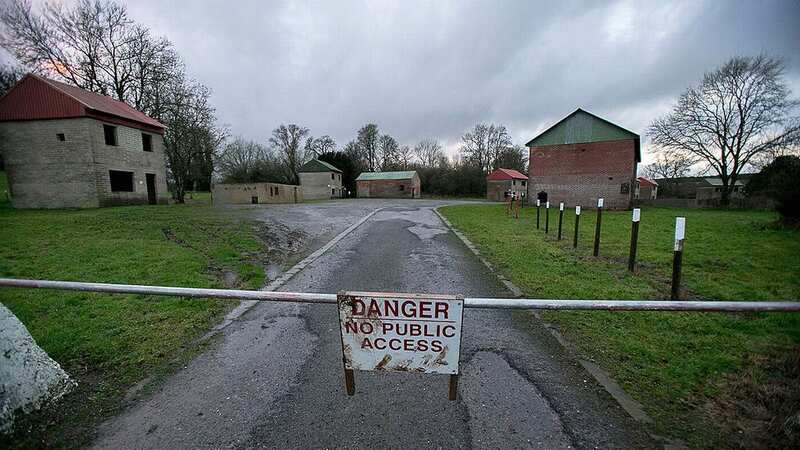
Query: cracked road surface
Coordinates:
[274,379]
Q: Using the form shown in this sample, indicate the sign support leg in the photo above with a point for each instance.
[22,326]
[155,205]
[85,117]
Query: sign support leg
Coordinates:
[453,391]
[349,382]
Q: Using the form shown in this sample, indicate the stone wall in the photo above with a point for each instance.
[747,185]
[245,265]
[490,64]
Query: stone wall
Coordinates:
[579,174]
[408,188]
[46,172]
[256,193]
[315,185]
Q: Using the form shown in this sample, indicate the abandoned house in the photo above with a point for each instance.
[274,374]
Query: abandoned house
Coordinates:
[582,158]
[255,193]
[65,147]
[402,184]
[646,189]
[501,182]
[320,180]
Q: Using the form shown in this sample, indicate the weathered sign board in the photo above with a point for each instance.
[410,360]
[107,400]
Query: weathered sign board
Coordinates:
[417,333]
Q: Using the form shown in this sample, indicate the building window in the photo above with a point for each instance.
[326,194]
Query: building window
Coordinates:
[624,188]
[513,182]
[121,181]
[523,183]
[61,137]
[147,142]
[402,187]
[333,192]
[333,176]
[110,133]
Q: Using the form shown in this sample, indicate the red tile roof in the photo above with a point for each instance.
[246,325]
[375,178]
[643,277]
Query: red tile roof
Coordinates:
[643,180]
[36,97]
[506,174]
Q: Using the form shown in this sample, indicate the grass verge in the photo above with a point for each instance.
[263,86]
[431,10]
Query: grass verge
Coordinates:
[110,342]
[711,379]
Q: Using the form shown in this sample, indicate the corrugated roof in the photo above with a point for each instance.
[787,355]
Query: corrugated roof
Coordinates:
[36,97]
[717,181]
[506,174]
[316,165]
[647,181]
[584,127]
[399,175]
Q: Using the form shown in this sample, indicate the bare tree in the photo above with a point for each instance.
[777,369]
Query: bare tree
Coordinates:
[286,140]
[737,112]
[513,157]
[404,156]
[318,146]
[387,152]
[429,152]
[483,145]
[239,159]
[670,164]
[367,145]
[9,75]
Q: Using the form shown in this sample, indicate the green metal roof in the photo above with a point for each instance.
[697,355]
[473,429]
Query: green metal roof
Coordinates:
[583,127]
[316,165]
[400,175]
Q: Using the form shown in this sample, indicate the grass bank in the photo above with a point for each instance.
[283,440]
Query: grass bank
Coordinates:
[712,379]
[109,342]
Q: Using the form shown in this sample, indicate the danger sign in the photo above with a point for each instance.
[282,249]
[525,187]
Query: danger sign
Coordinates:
[401,332]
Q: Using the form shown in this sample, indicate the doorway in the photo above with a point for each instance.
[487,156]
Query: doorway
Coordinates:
[151,188]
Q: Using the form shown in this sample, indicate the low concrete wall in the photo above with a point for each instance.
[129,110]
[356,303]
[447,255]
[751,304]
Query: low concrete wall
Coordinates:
[256,193]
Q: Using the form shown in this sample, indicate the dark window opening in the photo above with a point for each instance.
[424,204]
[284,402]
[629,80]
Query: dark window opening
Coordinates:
[254,200]
[147,142]
[110,134]
[333,191]
[523,183]
[513,182]
[333,176]
[624,188]
[402,187]
[61,137]
[121,181]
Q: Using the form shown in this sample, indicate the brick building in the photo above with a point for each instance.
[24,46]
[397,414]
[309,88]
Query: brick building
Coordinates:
[320,180]
[403,184]
[65,147]
[582,158]
[501,181]
[646,189]
[255,193]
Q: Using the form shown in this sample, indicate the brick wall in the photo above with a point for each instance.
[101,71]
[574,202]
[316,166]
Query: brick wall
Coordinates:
[315,185]
[389,188]
[579,174]
[242,194]
[496,189]
[45,172]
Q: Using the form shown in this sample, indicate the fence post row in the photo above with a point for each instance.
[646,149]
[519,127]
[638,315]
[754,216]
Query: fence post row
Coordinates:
[560,218]
[596,251]
[634,238]
[577,222]
[677,256]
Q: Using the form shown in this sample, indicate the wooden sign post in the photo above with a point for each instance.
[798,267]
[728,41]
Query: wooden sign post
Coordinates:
[596,251]
[538,204]
[677,257]
[634,239]
[560,218]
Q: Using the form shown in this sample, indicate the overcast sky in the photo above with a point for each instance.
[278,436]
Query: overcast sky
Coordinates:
[435,69]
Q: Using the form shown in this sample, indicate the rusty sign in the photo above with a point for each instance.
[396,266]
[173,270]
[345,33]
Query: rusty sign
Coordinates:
[401,332]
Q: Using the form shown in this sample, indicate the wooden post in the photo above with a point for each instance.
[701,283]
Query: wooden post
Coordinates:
[453,388]
[596,251]
[560,218]
[349,383]
[577,222]
[634,239]
[677,257]
[547,218]
[538,204]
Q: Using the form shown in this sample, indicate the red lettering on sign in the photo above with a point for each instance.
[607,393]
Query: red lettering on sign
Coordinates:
[441,307]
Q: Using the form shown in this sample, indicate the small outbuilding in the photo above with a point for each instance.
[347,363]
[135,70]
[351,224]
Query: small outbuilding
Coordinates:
[320,180]
[401,184]
[65,147]
[255,193]
[501,182]
[646,189]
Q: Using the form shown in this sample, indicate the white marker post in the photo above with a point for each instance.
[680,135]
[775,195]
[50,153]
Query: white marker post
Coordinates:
[577,222]
[677,257]
[538,204]
[634,239]
[560,218]
[596,251]
[547,217]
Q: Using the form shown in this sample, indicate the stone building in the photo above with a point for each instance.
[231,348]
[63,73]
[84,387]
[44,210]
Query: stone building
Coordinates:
[582,158]
[255,193]
[320,180]
[501,181]
[65,147]
[404,184]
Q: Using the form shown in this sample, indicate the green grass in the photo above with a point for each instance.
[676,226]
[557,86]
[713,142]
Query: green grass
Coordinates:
[109,342]
[679,365]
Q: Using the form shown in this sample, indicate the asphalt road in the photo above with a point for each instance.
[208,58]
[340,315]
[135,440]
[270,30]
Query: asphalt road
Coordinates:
[275,379]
